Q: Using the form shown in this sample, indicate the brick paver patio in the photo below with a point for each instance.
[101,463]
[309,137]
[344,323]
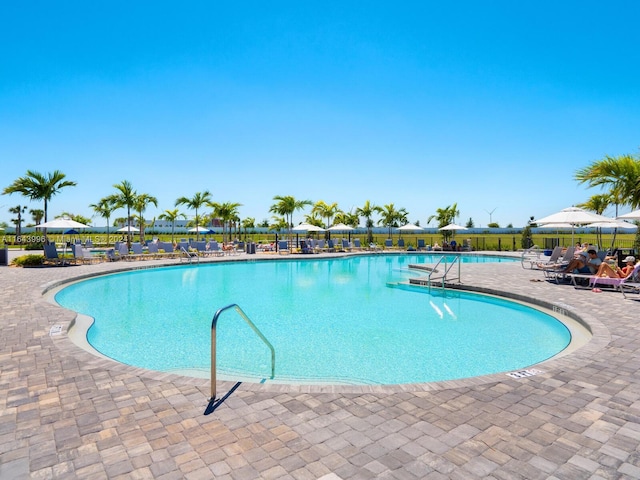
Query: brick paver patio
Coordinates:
[67,414]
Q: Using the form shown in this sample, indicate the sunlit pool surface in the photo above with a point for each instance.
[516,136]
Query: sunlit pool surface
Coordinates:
[333,321]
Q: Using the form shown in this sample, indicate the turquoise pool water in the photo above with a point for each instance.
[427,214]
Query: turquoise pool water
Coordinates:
[330,321]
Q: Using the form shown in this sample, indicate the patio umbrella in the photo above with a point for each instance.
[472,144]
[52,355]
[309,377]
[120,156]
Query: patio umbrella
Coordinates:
[573,216]
[615,224]
[453,227]
[635,215]
[62,224]
[199,229]
[128,228]
[307,227]
[341,227]
[410,227]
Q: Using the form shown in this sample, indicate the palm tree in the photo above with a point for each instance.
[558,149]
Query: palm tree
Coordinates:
[126,197]
[367,211]
[198,201]
[226,212]
[598,204]
[279,224]
[37,215]
[347,218]
[390,217]
[445,216]
[322,209]
[37,186]
[248,223]
[18,210]
[104,208]
[286,206]
[171,216]
[140,204]
[620,175]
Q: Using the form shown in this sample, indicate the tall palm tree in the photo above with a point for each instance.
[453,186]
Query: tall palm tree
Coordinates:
[226,212]
[38,186]
[198,201]
[618,176]
[18,210]
[172,216]
[37,215]
[125,197]
[391,217]
[324,210]
[348,218]
[104,208]
[445,216]
[286,206]
[367,211]
[248,223]
[140,204]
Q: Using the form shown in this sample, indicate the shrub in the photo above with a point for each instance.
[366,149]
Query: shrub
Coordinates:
[34,246]
[28,260]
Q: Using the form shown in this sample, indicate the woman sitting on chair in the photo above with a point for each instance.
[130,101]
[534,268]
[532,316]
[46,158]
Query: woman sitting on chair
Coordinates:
[612,270]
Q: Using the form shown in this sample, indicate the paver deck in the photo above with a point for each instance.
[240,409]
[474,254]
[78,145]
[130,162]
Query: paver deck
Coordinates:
[67,414]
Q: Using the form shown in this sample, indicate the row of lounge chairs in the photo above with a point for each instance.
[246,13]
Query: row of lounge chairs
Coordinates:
[554,270]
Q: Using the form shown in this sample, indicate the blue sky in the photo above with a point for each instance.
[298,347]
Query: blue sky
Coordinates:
[493,105]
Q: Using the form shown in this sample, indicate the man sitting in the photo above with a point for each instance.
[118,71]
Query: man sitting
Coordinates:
[586,264]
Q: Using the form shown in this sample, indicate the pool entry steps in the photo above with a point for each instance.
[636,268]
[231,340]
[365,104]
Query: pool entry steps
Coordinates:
[213,345]
[446,264]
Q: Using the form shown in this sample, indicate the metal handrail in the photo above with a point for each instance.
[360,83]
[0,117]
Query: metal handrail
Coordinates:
[443,260]
[213,344]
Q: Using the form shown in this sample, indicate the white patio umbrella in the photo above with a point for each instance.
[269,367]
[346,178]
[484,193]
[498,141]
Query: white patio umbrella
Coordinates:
[635,215]
[199,229]
[63,224]
[410,227]
[128,228]
[307,227]
[340,227]
[615,224]
[453,227]
[573,216]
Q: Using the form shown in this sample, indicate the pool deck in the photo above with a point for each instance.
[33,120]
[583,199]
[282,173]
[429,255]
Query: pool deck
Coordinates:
[65,413]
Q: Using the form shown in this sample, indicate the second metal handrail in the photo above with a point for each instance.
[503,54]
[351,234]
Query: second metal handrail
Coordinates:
[213,343]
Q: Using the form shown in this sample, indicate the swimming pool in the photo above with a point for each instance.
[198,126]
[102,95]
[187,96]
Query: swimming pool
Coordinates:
[333,321]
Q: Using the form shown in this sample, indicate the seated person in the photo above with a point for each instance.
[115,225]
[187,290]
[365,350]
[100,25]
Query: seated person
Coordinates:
[586,264]
[612,270]
[437,247]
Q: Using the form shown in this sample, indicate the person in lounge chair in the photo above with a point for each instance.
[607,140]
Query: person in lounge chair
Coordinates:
[586,264]
[612,270]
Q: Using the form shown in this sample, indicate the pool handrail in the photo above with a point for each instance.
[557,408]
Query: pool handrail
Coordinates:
[213,344]
[432,270]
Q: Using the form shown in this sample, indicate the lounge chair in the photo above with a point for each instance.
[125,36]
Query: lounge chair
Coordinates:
[214,249]
[153,250]
[388,243]
[283,247]
[188,255]
[421,245]
[356,244]
[304,247]
[83,255]
[138,253]
[401,243]
[346,246]
[531,258]
[555,271]
[630,281]
[51,254]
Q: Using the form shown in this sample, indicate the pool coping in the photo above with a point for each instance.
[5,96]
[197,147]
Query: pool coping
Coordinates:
[601,336]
